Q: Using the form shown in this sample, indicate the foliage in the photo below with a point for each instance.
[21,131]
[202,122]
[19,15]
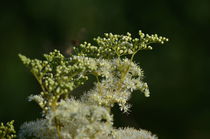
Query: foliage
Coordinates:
[7,131]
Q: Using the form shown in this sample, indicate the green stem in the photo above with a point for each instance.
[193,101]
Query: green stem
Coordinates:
[39,81]
[58,128]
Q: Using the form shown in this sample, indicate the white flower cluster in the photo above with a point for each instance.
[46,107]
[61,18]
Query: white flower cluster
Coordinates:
[130,133]
[88,117]
[38,129]
[71,120]
[78,120]
[119,79]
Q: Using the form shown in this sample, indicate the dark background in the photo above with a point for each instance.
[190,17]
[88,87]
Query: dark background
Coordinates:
[177,72]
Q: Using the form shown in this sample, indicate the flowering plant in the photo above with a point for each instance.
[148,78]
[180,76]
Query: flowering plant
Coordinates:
[88,117]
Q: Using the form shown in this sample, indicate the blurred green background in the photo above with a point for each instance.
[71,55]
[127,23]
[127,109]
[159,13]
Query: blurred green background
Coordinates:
[177,73]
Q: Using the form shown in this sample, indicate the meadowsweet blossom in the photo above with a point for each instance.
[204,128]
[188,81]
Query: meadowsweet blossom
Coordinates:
[89,116]
[131,133]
